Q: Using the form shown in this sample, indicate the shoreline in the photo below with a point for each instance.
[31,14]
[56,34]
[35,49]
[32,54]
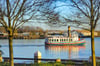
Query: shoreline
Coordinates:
[44,37]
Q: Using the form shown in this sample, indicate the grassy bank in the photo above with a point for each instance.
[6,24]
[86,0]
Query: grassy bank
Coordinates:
[51,64]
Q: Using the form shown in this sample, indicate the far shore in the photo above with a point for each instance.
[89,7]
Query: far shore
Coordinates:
[40,37]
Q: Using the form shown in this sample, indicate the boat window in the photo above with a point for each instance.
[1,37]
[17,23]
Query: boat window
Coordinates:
[66,39]
[49,39]
[71,39]
[60,39]
[52,40]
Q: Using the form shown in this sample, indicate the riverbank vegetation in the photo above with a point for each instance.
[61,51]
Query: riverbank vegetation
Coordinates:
[69,63]
[31,32]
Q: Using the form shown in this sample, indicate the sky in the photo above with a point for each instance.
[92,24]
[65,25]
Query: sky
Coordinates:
[64,10]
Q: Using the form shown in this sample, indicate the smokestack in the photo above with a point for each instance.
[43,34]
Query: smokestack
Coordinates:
[69,31]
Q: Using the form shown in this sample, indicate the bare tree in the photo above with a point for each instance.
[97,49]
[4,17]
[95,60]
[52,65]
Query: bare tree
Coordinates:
[86,15]
[49,15]
[13,14]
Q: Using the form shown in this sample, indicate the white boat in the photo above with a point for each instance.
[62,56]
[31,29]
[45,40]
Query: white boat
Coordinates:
[69,38]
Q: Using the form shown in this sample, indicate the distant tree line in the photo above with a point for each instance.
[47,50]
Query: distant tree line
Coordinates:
[29,29]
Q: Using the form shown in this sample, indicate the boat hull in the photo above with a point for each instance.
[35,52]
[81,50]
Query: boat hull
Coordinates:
[79,43]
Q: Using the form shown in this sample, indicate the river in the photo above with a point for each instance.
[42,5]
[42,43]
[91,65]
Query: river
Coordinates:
[26,48]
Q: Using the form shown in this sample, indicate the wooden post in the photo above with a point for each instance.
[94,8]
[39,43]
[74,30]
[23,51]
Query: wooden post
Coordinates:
[1,57]
[37,57]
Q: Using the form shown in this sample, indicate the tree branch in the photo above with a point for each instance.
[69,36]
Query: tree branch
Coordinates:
[76,5]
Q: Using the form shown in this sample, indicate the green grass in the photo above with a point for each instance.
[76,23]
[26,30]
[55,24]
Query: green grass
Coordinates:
[69,63]
[4,64]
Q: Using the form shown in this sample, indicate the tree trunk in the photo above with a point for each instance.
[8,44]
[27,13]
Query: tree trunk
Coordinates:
[92,35]
[93,47]
[11,48]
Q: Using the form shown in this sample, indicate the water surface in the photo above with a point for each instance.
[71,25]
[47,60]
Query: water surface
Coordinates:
[27,48]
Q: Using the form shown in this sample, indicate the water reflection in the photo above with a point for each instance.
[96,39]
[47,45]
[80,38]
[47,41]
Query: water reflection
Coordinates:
[70,50]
